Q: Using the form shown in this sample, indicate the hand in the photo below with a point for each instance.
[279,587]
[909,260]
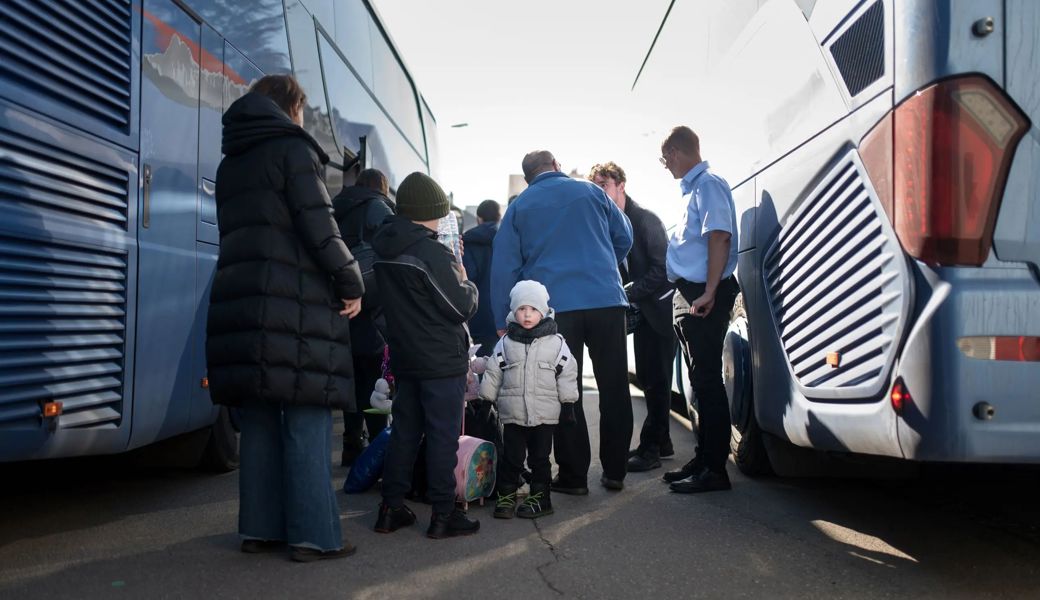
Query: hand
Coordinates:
[500,332]
[462,249]
[567,417]
[701,307]
[351,307]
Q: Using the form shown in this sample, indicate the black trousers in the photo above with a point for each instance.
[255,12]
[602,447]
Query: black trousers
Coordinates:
[655,359]
[602,330]
[430,407]
[702,339]
[367,369]
[534,443]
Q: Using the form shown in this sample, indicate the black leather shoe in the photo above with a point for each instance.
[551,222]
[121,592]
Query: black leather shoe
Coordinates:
[614,485]
[577,490]
[453,524]
[261,546]
[704,481]
[667,451]
[684,471]
[392,519]
[643,462]
[301,554]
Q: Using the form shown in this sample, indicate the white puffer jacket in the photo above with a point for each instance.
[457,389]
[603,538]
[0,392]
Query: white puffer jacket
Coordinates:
[530,381]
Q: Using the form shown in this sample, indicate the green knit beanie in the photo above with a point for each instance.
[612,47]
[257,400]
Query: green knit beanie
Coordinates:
[419,198]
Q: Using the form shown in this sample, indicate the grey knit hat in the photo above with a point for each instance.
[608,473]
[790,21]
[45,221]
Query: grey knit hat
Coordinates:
[529,293]
[419,198]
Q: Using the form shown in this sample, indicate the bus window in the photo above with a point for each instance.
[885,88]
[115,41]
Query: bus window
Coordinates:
[256,27]
[355,114]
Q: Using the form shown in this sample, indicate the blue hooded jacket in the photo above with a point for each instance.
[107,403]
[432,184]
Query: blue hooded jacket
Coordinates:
[569,236]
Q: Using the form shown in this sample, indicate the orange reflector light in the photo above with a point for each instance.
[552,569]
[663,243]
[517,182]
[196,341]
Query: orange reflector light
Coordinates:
[834,359]
[900,396]
[1001,347]
[51,409]
[205,383]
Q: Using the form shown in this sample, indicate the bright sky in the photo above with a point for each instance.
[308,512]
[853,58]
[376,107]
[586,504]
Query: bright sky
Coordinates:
[536,75]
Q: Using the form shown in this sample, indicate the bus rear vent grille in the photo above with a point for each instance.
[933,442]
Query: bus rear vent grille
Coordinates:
[40,176]
[859,52]
[75,53]
[62,325]
[836,285]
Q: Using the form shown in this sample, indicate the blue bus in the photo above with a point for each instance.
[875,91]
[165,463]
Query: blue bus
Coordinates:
[109,144]
[885,156]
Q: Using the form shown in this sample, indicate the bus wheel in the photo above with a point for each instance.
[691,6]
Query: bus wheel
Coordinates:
[221,454]
[746,441]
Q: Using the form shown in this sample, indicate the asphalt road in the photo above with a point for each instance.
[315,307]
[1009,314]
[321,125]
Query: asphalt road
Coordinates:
[103,529]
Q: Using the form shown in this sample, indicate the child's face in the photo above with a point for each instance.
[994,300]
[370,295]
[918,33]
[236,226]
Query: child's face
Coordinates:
[527,316]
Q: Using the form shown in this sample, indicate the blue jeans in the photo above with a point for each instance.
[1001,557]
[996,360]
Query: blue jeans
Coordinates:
[285,480]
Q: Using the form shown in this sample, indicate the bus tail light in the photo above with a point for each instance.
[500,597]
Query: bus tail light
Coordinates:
[939,162]
[1001,347]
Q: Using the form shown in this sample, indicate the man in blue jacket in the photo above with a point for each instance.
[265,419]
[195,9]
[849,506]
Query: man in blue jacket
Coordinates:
[567,234]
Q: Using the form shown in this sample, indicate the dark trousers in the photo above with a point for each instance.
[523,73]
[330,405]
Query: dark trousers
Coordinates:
[702,338]
[603,331]
[367,369]
[534,443]
[430,407]
[655,359]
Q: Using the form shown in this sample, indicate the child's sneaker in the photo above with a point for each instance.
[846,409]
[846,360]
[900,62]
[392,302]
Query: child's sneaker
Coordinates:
[537,504]
[505,505]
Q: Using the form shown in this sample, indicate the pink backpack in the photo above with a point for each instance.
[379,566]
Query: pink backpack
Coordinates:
[475,469]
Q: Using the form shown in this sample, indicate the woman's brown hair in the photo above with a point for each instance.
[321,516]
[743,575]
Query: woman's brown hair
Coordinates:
[283,89]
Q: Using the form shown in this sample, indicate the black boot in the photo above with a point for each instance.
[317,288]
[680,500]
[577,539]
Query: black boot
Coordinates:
[392,519]
[537,504]
[505,504]
[452,524]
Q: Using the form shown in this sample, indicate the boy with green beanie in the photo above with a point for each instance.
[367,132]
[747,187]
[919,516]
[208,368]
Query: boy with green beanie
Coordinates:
[426,301]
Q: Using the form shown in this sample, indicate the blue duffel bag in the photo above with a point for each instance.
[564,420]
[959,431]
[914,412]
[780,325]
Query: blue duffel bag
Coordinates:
[369,466]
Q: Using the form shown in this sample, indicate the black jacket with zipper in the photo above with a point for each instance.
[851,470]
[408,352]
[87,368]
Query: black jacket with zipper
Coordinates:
[646,268]
[361,210]
[426,301]
[274,333]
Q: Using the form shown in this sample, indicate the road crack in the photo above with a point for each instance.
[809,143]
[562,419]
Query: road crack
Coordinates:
[556,554]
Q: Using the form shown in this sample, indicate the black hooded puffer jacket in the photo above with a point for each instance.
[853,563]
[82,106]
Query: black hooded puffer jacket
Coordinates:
[274,333]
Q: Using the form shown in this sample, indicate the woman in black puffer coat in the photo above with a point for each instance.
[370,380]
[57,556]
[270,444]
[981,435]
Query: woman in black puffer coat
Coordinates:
[278,340]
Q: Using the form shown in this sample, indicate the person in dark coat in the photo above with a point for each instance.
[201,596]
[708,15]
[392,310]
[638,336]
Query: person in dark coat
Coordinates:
[427,301]
[655,344]
[477,259]
[278,341]
[360,211]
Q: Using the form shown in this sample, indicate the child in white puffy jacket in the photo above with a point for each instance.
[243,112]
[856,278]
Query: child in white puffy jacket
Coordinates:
[533,378]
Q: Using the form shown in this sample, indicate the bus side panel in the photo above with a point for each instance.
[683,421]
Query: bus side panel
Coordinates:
[781,409]
[69,180]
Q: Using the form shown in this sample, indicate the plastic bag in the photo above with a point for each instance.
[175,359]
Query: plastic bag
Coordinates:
[369,466]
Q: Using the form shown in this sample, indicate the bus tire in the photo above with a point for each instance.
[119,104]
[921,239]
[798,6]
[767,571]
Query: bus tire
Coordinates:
[746,439]
[221,453]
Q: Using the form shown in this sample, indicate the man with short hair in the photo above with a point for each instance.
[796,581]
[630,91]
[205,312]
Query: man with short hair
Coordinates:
[701,260]
[477,259]
[566,234]
[648,288]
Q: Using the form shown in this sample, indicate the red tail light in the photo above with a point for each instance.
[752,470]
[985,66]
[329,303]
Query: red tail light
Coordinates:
[939,162]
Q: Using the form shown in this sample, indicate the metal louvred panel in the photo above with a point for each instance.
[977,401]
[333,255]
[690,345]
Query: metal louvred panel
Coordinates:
[859,52]
[41,175]
[838,285]
[74,52]
[62,325]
